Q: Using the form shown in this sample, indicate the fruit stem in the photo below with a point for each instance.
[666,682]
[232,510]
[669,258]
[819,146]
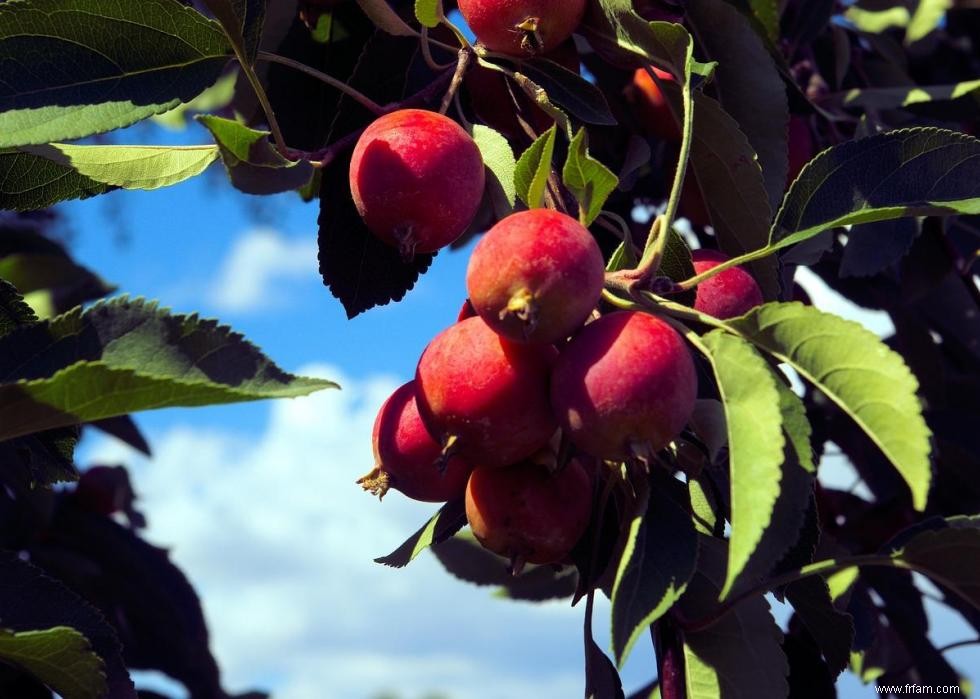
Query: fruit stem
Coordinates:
[333,82]
[462,63]
[670,654]
[270,115]
[523,307]
[427,52]
[657,241]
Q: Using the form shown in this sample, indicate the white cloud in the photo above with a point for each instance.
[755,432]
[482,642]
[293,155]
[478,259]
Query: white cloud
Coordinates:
[279,541]
[258,265]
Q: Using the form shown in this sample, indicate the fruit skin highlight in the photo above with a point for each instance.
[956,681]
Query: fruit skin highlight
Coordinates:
[528,514]
[522,27]
[536,276]
[728,294]
[408,458]
[484,397]
[624,386]
[417,179]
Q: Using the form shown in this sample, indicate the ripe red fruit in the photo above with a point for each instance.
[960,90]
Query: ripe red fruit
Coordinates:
[408,458]
[731,293]
[536,276]
[522,27]
[801,147]
[484,397]
[651,105]
[528,514]
[417,180]
[624,386]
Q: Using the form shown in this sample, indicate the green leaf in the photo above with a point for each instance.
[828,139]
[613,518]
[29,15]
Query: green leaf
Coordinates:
[750,394]
[127,60]
[385,18]
[34,177]
[589,181]
[60,657]
[739,655]
[727,169]
[796,426]
[833,630]
[254,165]
[899,97]
[928,16]
[443,525]
[242,22]
[858,372]
[911,172]
[533,169]
[428,12]
[52,279]
[215,98]
[950,556]
[123,356]
[658,560]
[616,31]
[499,159]
[877,21]
[767,12]
[570,91]
[748,85]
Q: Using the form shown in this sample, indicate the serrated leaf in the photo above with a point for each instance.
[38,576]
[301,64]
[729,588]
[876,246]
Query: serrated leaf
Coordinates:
[533,169]
[589,181]
[254,165]
[858,372]
[727,170]
[31,600]
[754,422]
[796,426]
[35,177]
[833,630]
[570,91]
[658,560]
[60,657]
[385,18]
[739,655]
[70,69]
[428,12]
[873,247]
[215,98]
[900,97]
[499,159]
[615,30]
[748,85]
[950,556]
[242,22]
[123,356]
[443,525]
[767,12]
[911,172]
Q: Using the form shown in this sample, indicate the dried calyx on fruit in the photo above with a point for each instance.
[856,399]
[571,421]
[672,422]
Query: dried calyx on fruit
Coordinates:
[529,513]
[536,276]
[407,458]
[417,179]
[522,27]
[485,397]
[624,387]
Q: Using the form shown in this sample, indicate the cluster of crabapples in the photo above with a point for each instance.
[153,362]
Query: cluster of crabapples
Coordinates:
[515,405]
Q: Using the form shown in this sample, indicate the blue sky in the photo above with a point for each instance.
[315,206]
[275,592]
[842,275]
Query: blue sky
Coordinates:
[258,502]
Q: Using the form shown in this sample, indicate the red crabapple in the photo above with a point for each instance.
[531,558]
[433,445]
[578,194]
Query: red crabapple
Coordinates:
[651,106]
[408,458]
[417,180]
[624,386]
[728,294]
[528,514]
[522,27]
[536,276]
[485,397]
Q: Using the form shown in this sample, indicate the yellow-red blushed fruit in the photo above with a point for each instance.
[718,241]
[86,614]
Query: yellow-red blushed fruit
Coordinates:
[624,386]
[407,458]
[650,105]
[536,276]
[728,294]
[522,27]
[485,397]
[528,514]
[417,179]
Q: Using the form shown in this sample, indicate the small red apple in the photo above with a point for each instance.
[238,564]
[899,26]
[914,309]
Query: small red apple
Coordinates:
[522,27]
[728,294]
